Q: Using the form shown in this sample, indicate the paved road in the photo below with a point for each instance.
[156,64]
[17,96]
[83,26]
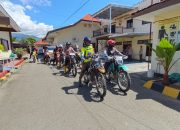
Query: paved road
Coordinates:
[38,98]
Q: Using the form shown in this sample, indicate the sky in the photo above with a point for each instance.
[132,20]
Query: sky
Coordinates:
[37,17]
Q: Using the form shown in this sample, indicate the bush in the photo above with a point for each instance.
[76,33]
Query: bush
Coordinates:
[19,52]
[178,47]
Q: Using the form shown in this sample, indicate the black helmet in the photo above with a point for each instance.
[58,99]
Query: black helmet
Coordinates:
[87,39]
[68,43]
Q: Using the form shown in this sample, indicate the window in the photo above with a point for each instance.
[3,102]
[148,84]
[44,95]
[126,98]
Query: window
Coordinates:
[145,22]
[105,29]
[5,44]
[130,23]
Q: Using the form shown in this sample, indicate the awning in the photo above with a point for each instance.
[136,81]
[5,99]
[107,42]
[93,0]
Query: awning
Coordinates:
[6,22]
[116,11]
[132,34]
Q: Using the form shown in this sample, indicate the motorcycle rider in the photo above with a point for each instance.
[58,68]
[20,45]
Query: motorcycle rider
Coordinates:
[68,50]
[109,52]
[86,55]
[61,52]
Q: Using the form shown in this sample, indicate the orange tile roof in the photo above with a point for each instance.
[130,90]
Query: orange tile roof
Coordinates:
[88,17]
[41,42]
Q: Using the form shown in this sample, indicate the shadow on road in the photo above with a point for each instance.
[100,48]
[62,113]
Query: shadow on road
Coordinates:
[113,88]
[143,93]
[88,93]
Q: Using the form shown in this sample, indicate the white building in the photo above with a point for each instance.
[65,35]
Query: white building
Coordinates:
[74,33]
[127,31]
[7,25]
[164,14]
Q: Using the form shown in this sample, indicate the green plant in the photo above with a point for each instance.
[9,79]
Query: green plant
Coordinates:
[14,39]
[19,52]
[165,52]
[1,47]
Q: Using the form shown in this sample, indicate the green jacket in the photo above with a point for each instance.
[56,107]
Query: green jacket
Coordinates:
[87,53]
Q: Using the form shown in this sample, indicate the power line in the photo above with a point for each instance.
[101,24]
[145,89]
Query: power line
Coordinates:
[75,12]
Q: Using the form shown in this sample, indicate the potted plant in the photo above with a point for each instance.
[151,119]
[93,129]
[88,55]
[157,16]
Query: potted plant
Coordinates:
[19,52]
[165,52]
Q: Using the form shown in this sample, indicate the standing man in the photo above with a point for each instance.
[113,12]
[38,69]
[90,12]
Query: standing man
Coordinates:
[141,53]
[130,52]
[86,55]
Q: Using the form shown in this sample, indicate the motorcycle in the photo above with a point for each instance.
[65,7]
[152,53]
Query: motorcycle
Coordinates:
[95,74]
[46,59]
[60,61]
[78,60]
[71,68]
[117,71]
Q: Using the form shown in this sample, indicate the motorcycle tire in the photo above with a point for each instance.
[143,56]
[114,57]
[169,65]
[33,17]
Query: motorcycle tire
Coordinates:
[101,85]
[86,78]
[74,71]
[124,81]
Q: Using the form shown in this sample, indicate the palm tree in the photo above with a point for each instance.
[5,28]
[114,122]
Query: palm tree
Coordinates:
[165,52]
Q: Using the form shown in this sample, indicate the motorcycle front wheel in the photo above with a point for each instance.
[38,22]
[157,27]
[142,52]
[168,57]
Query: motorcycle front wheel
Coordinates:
[101,85]
[124,81]
[74,70]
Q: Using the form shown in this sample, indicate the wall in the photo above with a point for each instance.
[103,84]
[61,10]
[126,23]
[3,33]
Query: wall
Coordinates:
[137,24]
[145,3]
[4,35]
[176,68]
[78,31]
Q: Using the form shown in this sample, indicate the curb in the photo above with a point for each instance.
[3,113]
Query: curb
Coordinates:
[163,89]
[7,75]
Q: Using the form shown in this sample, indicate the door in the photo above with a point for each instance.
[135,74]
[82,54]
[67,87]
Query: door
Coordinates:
[113,29]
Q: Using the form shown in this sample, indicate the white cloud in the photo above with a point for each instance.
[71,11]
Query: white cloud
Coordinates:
[27,25]
[37,2]
[29,7]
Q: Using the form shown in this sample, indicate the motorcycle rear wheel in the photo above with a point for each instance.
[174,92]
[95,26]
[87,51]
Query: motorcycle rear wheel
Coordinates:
[124,81]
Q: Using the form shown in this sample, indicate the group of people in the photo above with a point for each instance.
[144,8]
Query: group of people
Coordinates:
[86,54]
[60,53]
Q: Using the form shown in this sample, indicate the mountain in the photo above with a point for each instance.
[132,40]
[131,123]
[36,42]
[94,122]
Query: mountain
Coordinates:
[20,36]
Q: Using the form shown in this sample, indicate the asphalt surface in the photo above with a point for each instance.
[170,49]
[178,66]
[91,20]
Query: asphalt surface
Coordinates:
[39,97]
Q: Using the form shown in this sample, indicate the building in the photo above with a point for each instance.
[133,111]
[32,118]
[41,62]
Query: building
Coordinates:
[164,16]
[7,25]
[117,23]
[73,33]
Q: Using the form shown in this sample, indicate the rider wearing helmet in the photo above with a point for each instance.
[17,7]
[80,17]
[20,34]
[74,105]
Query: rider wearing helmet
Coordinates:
[110,51]
[86,55]
[68,50]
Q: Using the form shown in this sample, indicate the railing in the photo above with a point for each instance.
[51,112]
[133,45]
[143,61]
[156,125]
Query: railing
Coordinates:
[116,30]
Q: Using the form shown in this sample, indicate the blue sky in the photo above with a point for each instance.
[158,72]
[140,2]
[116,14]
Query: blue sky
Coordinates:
[59,10]
[52,13]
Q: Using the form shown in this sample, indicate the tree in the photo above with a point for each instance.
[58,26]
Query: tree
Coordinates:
[14,39]
[31,40]
[28,41]
[165,52]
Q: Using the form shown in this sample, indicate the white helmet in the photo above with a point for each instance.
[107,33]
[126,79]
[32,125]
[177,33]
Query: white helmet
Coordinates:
[60,45]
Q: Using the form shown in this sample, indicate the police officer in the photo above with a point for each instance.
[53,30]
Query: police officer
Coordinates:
[86,55]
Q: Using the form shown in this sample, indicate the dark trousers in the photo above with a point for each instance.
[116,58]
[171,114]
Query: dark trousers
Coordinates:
[106,65]
[84,68]
[140,57]
[130,57]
